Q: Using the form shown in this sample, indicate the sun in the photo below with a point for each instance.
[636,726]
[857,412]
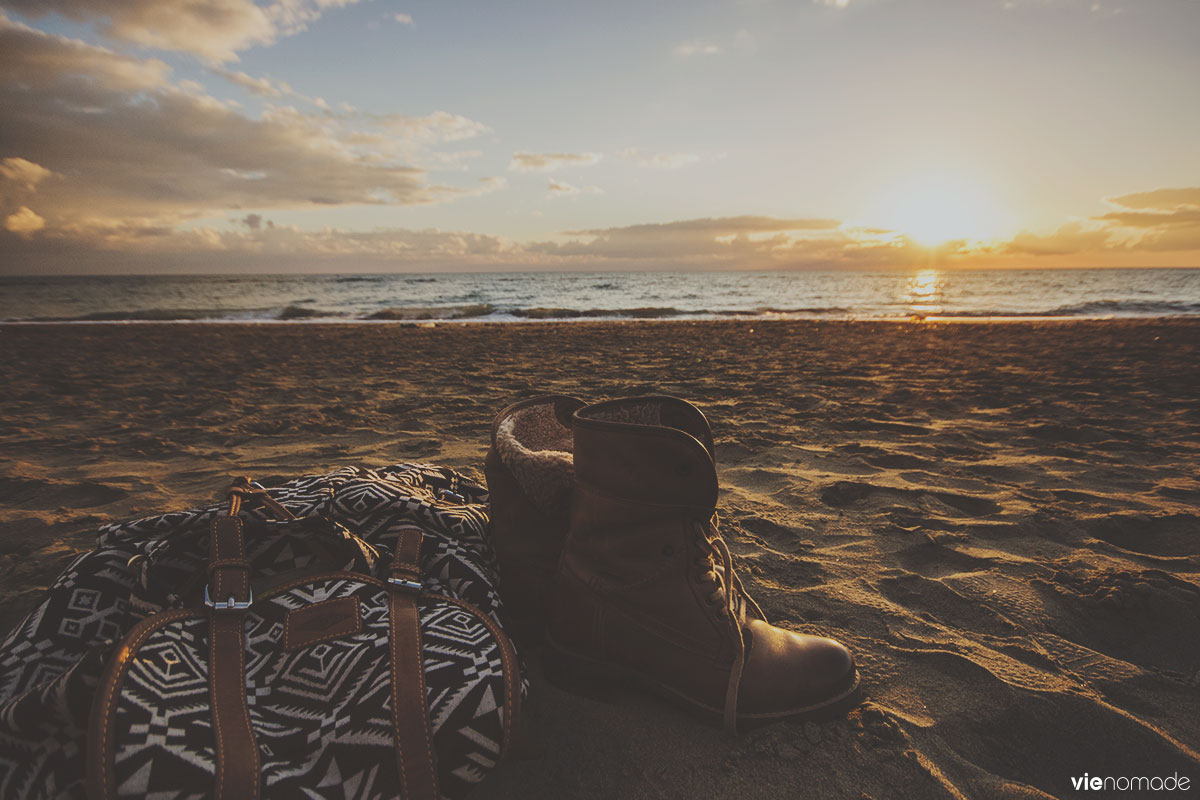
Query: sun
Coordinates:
[932,208]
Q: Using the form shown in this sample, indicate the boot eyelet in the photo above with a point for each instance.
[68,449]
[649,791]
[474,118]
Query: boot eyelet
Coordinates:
[669,550]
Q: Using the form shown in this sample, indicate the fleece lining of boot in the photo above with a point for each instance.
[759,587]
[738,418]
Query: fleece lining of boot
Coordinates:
[648,413]
[539,452]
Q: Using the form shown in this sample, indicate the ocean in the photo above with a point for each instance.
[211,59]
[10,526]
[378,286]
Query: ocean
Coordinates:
[512,297]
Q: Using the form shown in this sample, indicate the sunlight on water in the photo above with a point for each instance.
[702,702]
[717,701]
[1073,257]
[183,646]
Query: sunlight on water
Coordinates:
[925,292]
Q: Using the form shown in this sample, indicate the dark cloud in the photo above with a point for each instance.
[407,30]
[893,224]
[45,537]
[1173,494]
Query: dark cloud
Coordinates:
[212,29]
[127,144]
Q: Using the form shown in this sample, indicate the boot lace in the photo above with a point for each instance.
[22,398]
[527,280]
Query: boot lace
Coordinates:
[716,562]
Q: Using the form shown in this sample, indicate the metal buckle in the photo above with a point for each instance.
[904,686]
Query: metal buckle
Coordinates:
[230,604]
[406,585]
[446,494]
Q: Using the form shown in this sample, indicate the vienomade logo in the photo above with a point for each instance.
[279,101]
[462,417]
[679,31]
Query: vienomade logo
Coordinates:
[1143,783]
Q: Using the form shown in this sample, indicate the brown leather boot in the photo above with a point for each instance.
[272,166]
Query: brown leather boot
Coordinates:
[530,478]
[645,591]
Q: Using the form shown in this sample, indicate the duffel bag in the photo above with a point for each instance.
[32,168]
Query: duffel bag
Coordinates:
[339,636]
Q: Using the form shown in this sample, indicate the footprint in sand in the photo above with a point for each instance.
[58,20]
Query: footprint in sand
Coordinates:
[1168,535]
[993,722]
[34,493]
[846,493]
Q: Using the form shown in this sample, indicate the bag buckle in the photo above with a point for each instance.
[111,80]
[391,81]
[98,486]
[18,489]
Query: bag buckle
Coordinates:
[405,585]
[228,605]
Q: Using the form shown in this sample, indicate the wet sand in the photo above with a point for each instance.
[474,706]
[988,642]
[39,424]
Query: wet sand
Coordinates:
[1001,520]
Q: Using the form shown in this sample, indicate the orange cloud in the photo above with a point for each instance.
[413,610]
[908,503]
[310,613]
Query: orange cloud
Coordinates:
[24,222]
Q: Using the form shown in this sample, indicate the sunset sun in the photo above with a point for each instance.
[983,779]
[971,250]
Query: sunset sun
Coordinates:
[937,207]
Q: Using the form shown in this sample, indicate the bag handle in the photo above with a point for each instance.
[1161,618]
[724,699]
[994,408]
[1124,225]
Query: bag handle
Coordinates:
[243,490]
[410,714]
[238,760]
[332,543]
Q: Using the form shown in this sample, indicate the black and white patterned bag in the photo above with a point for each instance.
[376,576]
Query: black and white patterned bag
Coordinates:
[106,687]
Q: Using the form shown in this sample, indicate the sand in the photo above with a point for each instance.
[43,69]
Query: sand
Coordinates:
[1001,520]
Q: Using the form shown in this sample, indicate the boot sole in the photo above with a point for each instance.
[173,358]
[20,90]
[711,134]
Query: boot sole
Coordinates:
[579,674]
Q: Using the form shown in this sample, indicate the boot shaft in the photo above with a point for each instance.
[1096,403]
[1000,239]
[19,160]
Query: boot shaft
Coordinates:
[652,450]
[633,566]
[645,479]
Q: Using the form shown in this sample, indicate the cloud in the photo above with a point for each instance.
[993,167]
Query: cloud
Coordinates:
[251,242]
[1082,5]
[128,144]
[564,189]
[215,30]
[1159,220]
[22,173]
[133,246]
[1162,220]
[265,87]
[262,87]
[689,49]
[1153,219]
[403,19]
[1160,199]
[548,162]
[718,226]
[24,222]
[440,126]
[38,60]
[724,242]
[1074,237]
[658,160]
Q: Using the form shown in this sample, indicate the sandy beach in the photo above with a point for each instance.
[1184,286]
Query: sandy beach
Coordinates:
[1001,520]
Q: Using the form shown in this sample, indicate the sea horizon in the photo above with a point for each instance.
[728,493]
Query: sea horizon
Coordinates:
[525,296]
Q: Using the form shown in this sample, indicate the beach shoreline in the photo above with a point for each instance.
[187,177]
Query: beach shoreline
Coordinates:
[997,319]
[1001,519]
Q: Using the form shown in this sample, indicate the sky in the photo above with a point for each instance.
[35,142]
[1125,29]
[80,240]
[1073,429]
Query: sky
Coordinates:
[183,136]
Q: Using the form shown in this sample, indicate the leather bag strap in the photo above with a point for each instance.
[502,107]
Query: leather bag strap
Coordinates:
[410,715]
[229,595]
[242,489]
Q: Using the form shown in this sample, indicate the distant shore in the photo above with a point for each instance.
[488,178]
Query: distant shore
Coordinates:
[1001,519]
